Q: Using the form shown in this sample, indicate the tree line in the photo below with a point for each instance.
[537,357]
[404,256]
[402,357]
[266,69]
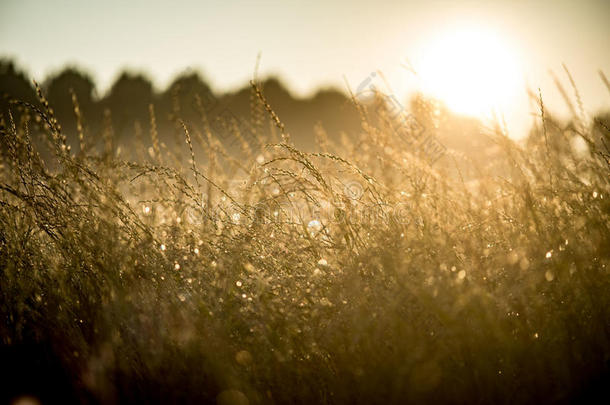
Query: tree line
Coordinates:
[127,104]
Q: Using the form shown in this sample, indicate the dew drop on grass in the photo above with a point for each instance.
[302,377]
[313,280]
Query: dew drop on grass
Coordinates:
[243,357]
[314,225]
[549,275]
[549,254]
[177,266]
[163,247]
[524,264]
[238,283]
[322,262]
[462,274]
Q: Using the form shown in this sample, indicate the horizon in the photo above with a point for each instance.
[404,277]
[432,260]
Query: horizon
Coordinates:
[222,42]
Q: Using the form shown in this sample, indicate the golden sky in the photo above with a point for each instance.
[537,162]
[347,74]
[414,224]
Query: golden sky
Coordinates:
[462,51]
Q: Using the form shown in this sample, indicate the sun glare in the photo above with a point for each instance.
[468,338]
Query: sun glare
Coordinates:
[474,71]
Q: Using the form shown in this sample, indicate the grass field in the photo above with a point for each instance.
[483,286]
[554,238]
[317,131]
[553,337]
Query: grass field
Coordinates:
[359,273]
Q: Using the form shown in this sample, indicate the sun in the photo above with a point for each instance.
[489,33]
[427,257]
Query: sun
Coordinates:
[473,70]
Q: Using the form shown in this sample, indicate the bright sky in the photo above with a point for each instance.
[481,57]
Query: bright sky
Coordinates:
[310,44]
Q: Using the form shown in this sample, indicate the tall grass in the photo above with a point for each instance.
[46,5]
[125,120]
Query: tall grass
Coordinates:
[356,274]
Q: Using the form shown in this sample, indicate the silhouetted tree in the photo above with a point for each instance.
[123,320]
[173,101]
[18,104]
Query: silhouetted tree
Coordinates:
[280,98]
[59,89]
[128,100]
[333,110]
[180,98]
[180,102]
[14,84]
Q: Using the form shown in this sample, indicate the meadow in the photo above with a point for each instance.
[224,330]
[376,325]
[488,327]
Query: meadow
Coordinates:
[360,271]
